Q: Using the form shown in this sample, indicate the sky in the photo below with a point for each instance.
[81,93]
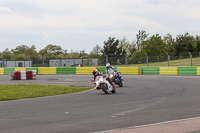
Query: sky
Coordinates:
[82,24]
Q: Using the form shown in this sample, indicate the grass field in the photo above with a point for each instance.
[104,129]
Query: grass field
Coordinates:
[180,62]
[22,91]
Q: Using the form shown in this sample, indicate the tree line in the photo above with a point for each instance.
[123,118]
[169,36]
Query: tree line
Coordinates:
[154,45]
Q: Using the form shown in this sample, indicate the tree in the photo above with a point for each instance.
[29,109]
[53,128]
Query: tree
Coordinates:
[141,37]
[126,47]
[65,53]
[170,44]
[24,52]
[51,51]
[73,54]
[31,52]
[184,44]
[139,53]
[21,56]
[43,53]
[20,49]
[154,46]
[83,54]
[6,54]
[110,47]
[198,44]
[96,51]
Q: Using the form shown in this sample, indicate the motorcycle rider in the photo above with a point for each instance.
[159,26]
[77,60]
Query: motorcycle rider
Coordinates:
[95,73]
[108,69]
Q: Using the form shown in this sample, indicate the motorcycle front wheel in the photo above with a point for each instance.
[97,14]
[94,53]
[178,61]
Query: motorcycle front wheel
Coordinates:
[105,89]
[120,84]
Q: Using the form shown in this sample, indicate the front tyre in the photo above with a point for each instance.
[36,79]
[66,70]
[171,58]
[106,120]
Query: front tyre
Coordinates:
[120,83]
[105,89]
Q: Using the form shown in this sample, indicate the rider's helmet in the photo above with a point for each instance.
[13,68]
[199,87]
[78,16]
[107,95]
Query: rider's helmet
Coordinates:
[94,71]
[108,65]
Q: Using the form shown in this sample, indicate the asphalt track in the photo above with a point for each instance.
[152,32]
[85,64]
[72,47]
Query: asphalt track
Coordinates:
[144,100]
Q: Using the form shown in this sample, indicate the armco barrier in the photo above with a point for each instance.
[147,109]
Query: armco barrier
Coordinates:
[150,70]
[128,70]
[84,70]
[20,69]
[187,70]
[65,70]
[168,70]
[46,70]
[7,70]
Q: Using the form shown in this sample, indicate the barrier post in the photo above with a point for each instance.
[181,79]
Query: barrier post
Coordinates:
[74,63]
[106,59]
[190,57]
[126,60]
[167,58]
[43,60]
[147,58]
[89,61]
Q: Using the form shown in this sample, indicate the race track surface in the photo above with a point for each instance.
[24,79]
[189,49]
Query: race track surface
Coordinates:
[144,99]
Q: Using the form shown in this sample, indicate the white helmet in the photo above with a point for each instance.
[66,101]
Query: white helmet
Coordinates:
[107,65]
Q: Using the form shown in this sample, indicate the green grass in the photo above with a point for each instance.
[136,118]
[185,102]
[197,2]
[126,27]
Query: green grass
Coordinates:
[180,62]
[22,91]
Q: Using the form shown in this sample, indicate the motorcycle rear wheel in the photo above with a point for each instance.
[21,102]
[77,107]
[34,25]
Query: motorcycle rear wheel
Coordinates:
[114,90]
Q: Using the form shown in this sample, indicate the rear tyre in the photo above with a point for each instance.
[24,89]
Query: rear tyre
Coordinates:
[114,90]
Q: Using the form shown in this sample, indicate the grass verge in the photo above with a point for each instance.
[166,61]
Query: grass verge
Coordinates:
[22,91]
[180,62]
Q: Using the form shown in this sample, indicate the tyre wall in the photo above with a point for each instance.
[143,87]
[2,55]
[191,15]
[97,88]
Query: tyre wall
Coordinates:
[198,70]
[168,70]
[46,70]
[1,70]
[84,70]
[129,70]
[123,70]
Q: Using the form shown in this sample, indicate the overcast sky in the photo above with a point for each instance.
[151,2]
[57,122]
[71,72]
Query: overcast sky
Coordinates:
[81,24]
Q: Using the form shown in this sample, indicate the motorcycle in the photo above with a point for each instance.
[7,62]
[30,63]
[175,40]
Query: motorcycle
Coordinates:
[118,79]
[102,83]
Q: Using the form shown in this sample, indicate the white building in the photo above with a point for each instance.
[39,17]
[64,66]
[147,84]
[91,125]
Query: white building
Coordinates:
[5,63]
[73,62]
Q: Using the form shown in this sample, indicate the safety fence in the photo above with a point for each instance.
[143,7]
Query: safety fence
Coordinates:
[123,70]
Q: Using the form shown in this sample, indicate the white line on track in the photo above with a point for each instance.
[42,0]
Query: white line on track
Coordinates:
[148,125]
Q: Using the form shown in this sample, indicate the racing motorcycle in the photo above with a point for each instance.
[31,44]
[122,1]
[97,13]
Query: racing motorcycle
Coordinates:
[118,79]
[102,83]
